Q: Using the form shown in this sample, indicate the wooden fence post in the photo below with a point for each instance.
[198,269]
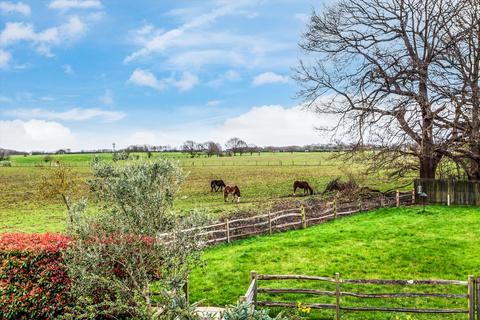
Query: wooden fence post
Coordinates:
[413,196]
[269,223]
[304,221]
[337,295]
[471,298]
[334,204]
[397,198]
[477,285]
[253,277]
[186,292]
[227,230]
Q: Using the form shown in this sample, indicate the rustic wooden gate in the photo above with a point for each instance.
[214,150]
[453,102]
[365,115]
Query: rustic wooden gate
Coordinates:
[470,294]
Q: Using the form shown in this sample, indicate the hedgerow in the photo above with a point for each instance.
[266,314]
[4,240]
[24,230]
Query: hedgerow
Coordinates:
[33,278]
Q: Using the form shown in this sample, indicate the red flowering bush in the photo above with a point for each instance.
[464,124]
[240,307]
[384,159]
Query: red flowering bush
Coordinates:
[33,278]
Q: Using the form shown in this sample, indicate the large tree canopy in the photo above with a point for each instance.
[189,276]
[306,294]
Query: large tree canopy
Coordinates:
[384,64]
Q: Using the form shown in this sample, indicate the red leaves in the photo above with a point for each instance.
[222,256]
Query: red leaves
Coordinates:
[33,242]
[34,282]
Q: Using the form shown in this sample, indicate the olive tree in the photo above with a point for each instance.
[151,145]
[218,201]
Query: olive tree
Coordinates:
[131,258]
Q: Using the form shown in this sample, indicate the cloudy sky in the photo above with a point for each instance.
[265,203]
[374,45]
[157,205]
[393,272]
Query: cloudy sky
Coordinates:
[82,74]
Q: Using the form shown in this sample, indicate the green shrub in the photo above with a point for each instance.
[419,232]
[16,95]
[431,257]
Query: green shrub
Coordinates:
[244,311]
[5,163]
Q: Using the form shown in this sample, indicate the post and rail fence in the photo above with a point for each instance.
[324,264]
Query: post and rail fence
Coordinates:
[341,301]
[294,218]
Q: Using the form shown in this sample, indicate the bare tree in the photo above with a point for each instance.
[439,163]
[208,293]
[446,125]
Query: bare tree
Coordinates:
[4,154]
[190,147]
[374,64]
[236,145]
[462,76]
[212,148]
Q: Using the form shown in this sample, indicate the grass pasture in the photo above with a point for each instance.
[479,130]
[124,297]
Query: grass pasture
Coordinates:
[402,243]
[264,180]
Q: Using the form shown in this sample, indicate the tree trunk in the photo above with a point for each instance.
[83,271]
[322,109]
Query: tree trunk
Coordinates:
[428,167]
[428,158]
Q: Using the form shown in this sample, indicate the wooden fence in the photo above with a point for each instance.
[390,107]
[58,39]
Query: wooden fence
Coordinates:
[450,191]
[470,295]
[295,218]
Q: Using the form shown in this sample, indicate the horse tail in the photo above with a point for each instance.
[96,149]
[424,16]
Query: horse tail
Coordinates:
[310,189]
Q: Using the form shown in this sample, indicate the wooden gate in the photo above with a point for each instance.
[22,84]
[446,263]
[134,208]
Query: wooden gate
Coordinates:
[341,296]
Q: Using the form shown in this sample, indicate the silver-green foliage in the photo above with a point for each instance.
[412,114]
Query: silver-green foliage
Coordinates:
[120,253]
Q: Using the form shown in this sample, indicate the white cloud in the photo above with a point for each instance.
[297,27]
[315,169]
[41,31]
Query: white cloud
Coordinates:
[196,41]
[197,58]
[34,135]
[15,32]
[75,114]
[67,69]
[5,58]
[264,125]
[186,82]
[276,125]
[107,98]
[269,77]
[145,78]
[75,4]
[228,76]
[11,7]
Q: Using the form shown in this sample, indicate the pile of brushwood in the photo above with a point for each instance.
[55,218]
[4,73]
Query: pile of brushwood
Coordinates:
[351,189]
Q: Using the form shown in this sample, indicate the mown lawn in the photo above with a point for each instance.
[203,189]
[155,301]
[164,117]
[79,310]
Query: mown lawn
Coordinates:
[442,243]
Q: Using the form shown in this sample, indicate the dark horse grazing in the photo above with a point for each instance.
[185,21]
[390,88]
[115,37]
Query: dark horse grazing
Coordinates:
[217,185]
[233,190]
[302,185]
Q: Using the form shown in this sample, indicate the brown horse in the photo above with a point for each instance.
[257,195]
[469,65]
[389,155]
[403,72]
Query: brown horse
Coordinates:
[233,190]
[302,185]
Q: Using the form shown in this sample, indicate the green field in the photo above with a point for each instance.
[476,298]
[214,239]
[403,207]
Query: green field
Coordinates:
[265,181]
[442,243]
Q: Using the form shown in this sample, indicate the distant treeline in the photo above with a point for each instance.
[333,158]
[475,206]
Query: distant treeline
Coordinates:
[234,146]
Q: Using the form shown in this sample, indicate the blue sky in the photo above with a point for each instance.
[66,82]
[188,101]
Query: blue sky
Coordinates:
[82,74]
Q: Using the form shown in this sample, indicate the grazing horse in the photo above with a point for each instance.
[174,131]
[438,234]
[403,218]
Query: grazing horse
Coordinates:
[302,185]
[233,190]
[217,185]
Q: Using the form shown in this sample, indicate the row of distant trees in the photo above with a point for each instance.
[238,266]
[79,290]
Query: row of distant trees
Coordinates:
[234,146]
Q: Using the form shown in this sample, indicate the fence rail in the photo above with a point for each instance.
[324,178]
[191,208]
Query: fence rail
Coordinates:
[293,218]
[471,296]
